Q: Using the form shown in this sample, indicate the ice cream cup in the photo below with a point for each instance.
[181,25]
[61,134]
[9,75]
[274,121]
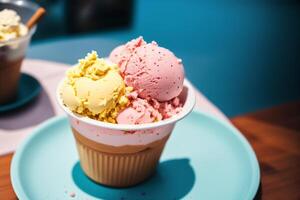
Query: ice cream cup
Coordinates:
[122,155]
[12,52]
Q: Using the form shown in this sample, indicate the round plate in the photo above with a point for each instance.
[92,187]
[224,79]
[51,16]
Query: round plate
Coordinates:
[204,159]
[29,88]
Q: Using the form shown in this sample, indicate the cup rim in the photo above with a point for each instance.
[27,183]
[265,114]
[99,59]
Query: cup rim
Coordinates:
[186,109]
[26,4]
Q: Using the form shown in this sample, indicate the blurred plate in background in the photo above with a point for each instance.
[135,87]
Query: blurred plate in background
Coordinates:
[29,88]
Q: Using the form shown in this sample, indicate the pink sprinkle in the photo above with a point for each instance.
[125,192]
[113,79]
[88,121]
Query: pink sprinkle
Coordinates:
[154,43]
[129,132]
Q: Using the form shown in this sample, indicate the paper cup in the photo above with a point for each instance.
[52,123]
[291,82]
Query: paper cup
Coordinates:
[122,155]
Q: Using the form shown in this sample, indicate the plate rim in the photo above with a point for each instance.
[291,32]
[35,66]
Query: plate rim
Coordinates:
[15,163]
[16,104]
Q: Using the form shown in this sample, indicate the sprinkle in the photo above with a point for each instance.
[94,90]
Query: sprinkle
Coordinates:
[179,61]
[72,194]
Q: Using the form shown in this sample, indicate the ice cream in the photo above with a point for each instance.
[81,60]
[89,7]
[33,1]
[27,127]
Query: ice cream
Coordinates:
[141,111]
[121,54]
[142,87]
[152,70]
[11,26]
[94,88]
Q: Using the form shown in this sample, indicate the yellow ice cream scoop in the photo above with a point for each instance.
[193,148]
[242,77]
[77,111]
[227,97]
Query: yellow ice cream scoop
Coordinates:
[94,88]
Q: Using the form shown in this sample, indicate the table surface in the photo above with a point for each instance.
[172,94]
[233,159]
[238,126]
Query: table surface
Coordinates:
[275,137]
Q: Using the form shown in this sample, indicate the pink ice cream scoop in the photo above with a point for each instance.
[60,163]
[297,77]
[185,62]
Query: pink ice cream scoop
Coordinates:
[143,111]
[155,72]
[121,54]
[140,112]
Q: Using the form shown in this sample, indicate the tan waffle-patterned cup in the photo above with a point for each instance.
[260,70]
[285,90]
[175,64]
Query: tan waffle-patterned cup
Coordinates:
[122,155]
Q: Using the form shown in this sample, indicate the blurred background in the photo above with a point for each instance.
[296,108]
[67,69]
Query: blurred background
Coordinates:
[242,55]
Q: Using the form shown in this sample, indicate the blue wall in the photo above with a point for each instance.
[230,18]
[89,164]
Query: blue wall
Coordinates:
[243,56]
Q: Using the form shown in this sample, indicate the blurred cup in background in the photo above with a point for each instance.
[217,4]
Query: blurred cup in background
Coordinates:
[12,52]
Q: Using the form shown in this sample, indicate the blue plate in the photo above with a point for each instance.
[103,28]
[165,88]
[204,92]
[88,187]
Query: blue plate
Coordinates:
[29,88]
[204,159]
